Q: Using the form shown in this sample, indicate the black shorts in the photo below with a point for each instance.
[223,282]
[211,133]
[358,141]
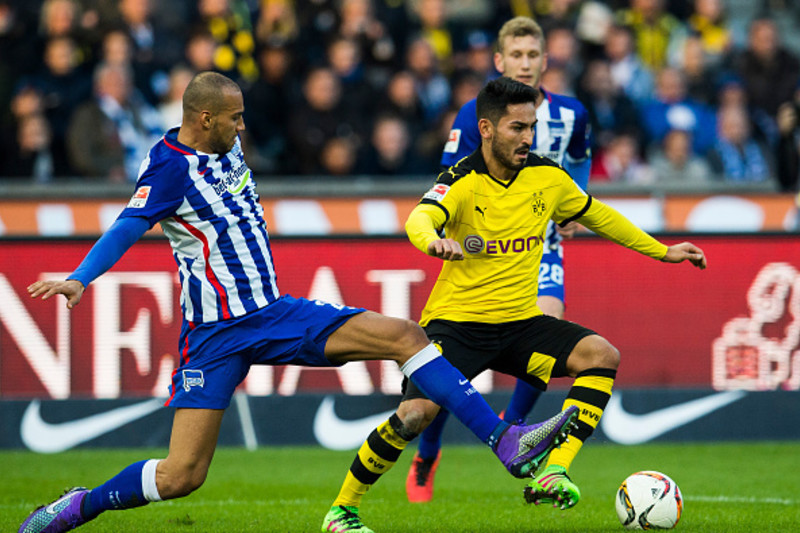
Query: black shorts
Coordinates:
[533,350]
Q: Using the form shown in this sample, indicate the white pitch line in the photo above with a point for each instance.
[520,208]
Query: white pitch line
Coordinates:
[741,499]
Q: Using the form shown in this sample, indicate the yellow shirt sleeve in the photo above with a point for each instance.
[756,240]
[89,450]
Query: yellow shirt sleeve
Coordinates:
[422,224]
[610,224]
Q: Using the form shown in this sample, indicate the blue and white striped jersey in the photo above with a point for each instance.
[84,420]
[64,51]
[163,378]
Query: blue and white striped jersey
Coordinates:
[562,133]
[208,208]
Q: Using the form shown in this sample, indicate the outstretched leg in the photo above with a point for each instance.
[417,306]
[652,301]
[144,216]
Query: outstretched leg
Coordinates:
[520,448]
[192,444]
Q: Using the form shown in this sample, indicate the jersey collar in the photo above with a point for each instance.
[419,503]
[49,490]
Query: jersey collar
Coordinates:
[478,163]
[171,140]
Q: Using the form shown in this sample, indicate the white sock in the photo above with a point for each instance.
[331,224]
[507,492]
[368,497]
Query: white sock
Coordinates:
[420,359]
[149,487]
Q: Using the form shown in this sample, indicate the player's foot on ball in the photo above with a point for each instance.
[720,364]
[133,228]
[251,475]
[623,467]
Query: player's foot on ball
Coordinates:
[344,519]
[63,514]
[523,448]
[419,483]
[553,486]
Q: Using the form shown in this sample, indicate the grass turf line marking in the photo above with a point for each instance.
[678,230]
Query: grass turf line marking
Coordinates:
[741,499]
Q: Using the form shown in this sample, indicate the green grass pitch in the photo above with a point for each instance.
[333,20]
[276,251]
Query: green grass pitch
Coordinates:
[747,487]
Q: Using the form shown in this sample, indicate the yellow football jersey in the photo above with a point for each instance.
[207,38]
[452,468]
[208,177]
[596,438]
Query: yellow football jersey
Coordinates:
[501,228]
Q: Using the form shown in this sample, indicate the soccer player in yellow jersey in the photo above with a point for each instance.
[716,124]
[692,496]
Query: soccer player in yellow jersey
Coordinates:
[494,206]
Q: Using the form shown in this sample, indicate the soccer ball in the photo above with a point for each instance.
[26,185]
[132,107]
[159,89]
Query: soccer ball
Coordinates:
[649,500]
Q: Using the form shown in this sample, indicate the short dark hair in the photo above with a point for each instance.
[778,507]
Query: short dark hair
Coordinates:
[204,92]
[499,94]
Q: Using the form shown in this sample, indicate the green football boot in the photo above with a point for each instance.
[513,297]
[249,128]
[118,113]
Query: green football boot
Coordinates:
[344,519]
[554,486]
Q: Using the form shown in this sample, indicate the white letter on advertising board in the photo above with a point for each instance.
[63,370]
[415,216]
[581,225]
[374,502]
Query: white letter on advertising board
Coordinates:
[50,366]
[109,340]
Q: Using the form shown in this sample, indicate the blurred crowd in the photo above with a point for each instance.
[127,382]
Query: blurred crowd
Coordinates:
[675,89]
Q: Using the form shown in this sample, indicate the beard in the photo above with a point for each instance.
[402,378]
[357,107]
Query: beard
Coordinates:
[506,156]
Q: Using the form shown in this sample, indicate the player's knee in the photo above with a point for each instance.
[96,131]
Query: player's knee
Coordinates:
[608,356]
[410,339]
[593,352]
[417,415]
[180,482]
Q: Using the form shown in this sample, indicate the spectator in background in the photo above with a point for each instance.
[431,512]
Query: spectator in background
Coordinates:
[32,157]
[428,146]
[377,48]
[267,106]
[556,80]
[675,160]
[200,50]
[672,109]
[477,57]
[701,76]
[656,31]
[318,22]
[277,23]
[770,72]
[117,50]
[709,23]
[563,52]
[62,19]
[628,71]
[787,153]
[611,112]
[466,87]
[432,26]
[731,93]
[20,55]
[228,22]
[337,158]
[154,49]
[344,58]
[63,84]
[400,99]
[592,27]
[736,155]
[549,13]
[26,101]
[432,87]
[389,151]
[109,135]
[170,110]
[621,162]
[319,118]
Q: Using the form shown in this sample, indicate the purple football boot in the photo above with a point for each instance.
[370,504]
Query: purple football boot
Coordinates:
[63,514]
[523,448]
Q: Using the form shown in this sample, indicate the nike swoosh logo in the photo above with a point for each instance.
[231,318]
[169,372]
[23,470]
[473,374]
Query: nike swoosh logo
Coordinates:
[626,428]
[44,437]
[336,434]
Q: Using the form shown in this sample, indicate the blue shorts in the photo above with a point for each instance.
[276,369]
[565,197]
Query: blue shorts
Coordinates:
[215,357]
[551,273]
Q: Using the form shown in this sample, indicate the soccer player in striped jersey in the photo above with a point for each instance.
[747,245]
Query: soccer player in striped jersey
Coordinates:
[561,134]
[195,183]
